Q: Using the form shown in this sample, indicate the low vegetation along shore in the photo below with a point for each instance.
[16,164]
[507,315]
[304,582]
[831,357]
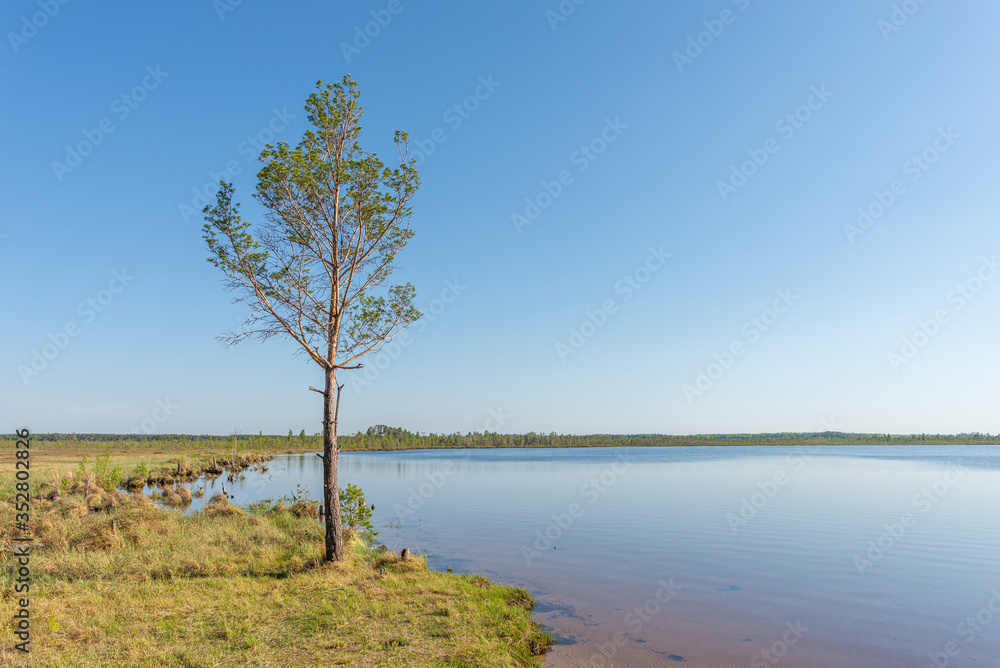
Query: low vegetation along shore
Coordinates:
[382,437]
[119,580]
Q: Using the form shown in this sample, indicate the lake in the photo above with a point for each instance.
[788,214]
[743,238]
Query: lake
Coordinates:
[706,556]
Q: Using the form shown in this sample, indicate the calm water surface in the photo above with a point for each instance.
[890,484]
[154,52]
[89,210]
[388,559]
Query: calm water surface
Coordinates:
[714,556]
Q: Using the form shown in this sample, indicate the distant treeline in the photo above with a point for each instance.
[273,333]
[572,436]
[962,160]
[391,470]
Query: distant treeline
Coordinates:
[382,437]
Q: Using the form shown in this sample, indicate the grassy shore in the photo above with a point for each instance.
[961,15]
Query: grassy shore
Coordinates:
[135,585]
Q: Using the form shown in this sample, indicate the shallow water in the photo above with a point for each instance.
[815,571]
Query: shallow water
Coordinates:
[707,556]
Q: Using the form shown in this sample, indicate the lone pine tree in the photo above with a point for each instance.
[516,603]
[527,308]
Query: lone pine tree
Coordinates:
[315,267]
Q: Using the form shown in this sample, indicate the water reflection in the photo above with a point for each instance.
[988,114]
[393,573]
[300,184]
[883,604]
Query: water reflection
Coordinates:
[635,559]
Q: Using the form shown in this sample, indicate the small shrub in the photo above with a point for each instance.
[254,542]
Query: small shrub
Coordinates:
[115,477]
[102,466]
[107,477]
[141,471]
[355,513]
[82,469]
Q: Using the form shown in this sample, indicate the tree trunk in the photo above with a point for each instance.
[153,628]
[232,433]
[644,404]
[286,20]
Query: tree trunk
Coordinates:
[331,495]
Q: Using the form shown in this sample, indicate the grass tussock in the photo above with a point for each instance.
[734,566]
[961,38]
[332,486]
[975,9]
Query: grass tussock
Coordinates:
[120,581]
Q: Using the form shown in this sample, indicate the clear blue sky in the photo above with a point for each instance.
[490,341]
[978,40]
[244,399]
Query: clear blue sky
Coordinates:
[663,131]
